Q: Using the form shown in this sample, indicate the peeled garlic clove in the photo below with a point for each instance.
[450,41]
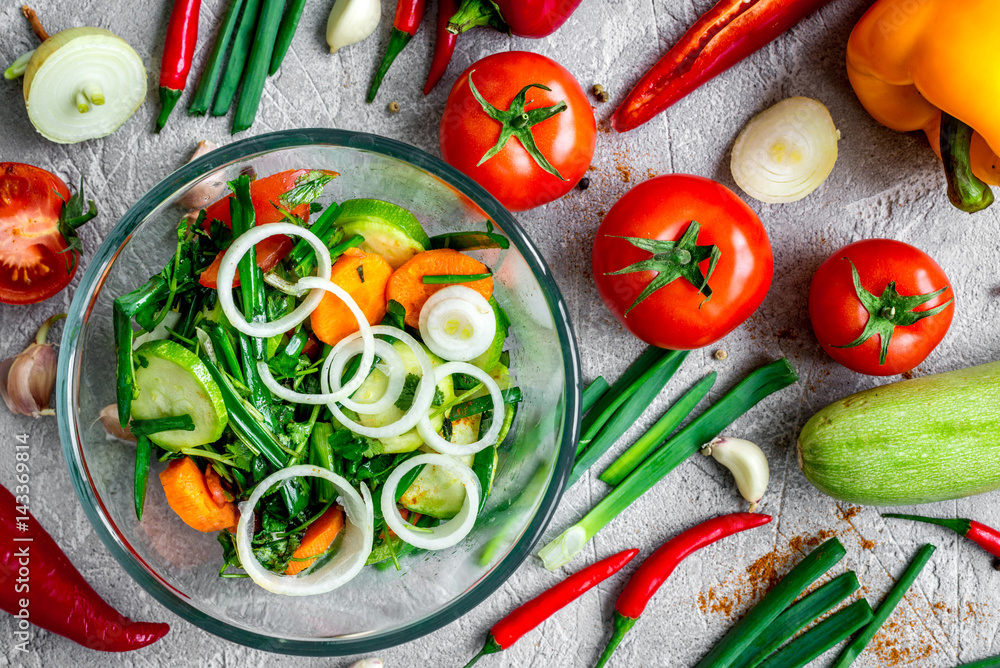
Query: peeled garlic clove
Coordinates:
[351,21]
[109,418]
[210,188]
[27,379]
[747,463]
[368,663]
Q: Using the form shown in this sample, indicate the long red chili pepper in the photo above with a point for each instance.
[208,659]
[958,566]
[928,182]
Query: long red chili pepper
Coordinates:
[655,570]
[39,585]
[722,37]
[409,14]
[178,52]
[509,630]
[986,537]
[444,44]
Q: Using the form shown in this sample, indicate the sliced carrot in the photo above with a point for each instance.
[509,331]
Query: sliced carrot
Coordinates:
[270,252]
[407,287]
[189,497]
[364,276]
[319,536]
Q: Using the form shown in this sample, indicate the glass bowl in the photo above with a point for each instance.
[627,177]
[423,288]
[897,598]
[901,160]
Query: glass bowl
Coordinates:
[380,608]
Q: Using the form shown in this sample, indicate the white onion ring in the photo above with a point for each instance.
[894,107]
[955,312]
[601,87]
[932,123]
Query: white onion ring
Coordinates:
[227,274]
[447,534]
[367,355]
[422,400]
[333,369]
[459,303]
[359,532]
[429,434]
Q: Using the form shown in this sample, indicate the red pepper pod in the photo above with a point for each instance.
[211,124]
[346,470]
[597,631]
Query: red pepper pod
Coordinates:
[444,44]
[178,53]
[511,628]
[409,14]
[657,567]
[984,536]
[533,19]
[40,585]
[721,38]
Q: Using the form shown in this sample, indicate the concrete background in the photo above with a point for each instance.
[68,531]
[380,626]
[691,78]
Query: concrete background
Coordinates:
[885,184]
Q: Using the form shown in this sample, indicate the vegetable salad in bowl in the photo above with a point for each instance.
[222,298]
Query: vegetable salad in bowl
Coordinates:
[327,396]
[330,369]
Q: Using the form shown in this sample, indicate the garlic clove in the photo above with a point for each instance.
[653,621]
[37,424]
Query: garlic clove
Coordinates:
[368,663]
[748,464]
[27,379]
[211,188]
[109,418]
[351,21]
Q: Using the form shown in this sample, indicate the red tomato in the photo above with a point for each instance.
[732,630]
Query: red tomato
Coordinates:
[513,176]
[677,315]
[839,317]
[34,261]
[264,193]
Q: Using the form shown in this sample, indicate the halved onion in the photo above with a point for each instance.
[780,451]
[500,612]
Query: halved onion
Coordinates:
[447,534]
[457,323]
[227,274]
[356,545]
[83,83]
[786,152]
[395,372]
[422,400]
[429,434]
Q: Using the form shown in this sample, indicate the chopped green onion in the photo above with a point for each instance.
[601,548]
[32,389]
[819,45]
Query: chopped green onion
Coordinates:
[466,241]
[632,405]
[856,646]
[443,279]
[209,81]
[797,617]
[156,425]
[142,454]
[665,426]
[742,635]
[483,404]
[609,402]
[990,662]
[821,637]
[237,58]
[289,23]
[753,389]
[260,60]
[593,393]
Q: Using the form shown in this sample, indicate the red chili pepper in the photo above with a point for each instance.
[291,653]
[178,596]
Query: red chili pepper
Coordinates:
[986,537]
[655,570]
[444,44]
[722,37]
[509,630]
[525,18]
[178,52]
[38,584]
[409,14]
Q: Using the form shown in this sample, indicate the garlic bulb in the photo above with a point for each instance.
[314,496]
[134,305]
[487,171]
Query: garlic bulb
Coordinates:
[109,419]
[351,21]
[27,379]
[747,463]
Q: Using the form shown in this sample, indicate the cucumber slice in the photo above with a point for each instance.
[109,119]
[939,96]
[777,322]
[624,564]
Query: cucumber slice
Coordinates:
[375,385]
[489,359]
[171,380]
[436,491]
[389,230]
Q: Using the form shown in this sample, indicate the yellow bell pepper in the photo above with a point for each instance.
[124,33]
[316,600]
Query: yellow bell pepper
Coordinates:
[932,65]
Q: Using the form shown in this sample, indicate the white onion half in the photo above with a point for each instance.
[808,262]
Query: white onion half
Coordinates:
[227,274]
[395,372]
[786,152]
[356,545]
[429,434]
[447,534]
[457,323]
[422,400]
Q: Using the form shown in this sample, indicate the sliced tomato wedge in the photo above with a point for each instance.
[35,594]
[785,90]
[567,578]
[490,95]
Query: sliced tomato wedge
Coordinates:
[264,193]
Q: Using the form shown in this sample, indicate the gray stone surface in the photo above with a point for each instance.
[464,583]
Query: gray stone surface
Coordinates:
[885,184]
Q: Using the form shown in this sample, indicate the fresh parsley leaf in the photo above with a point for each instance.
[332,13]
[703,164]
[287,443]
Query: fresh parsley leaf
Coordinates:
[446,429]
[438,397]
[395,315]
[308,188]
[348,446]
[405,399]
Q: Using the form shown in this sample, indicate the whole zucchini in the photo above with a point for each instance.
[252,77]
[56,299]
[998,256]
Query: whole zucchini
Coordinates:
[916,441]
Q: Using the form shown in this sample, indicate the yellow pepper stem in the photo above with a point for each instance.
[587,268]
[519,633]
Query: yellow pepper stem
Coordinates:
[965,190]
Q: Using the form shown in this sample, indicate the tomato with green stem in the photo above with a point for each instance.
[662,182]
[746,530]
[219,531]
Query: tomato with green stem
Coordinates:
[521,126]
[879,306]
[39,247]
[681,261]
